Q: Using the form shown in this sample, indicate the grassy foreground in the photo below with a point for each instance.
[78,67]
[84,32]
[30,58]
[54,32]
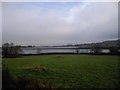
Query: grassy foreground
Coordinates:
[67,71]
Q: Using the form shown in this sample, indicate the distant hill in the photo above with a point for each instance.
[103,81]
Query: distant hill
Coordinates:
[112,43]
[106,44]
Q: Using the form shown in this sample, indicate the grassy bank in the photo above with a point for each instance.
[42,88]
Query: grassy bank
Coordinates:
[67,71]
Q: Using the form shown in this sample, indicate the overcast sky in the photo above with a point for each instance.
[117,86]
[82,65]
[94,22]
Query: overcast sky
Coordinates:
[51,23]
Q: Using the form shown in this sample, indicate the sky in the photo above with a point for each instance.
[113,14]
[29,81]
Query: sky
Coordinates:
[59,23]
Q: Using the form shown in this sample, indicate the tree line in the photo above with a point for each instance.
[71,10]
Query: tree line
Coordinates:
[97,50]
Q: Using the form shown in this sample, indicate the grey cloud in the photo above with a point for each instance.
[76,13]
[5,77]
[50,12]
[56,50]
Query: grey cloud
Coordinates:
[88,22]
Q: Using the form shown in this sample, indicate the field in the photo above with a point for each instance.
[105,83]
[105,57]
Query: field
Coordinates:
[67,71]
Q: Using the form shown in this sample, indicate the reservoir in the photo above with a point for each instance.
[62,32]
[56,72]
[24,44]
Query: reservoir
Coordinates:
[57,50]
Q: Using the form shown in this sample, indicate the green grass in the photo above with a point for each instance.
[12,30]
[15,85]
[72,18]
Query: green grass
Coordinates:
[68,71]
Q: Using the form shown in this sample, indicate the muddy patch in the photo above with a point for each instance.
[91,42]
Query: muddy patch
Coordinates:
[60,57]
[36,68]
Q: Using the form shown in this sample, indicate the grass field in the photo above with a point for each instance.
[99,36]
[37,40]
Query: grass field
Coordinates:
[67,71]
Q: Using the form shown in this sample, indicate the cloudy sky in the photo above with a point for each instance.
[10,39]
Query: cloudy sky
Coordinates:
[57,23]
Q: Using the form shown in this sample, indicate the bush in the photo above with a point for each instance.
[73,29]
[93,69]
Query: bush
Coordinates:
[114,50]
[7,79]
[22,82]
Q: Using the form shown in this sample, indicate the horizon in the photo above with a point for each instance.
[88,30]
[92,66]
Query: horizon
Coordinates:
[63,44]
[59,23]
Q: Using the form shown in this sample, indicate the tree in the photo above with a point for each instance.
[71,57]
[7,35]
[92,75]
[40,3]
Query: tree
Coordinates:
[39,51]
[114,50]
[96,49]
[10,50]
[77,50]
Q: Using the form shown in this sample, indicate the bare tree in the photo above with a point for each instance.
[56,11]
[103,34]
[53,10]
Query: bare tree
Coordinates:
[39,51]
[77,50]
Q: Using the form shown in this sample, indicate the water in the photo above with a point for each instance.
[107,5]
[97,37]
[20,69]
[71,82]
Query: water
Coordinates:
[29,51]
[26,51]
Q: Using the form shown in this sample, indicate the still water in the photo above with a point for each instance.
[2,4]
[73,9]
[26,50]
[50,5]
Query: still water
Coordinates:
[60,51]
